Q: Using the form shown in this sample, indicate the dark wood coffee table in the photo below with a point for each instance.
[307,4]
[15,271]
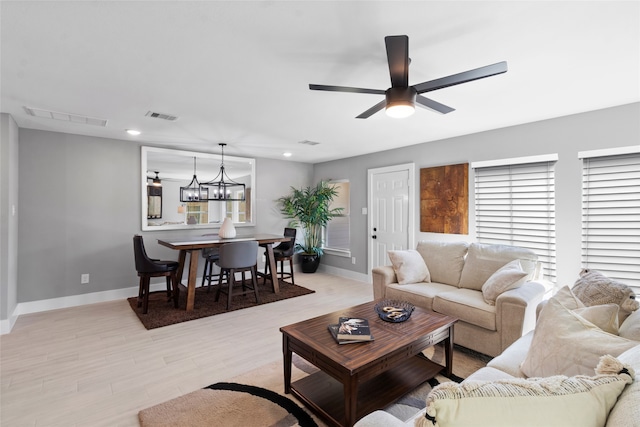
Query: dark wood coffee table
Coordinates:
[357,379]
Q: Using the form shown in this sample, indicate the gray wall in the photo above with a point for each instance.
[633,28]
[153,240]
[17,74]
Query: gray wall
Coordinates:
[608,128]
[81,209]
[8,220]
[80,198]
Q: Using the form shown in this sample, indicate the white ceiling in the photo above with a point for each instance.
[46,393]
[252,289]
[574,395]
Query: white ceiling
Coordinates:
[238,71]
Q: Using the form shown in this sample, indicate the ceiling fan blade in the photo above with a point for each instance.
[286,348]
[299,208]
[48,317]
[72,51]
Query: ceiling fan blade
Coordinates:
[346,89]
[371,111]
[464,77]
[398,58]
[433,105]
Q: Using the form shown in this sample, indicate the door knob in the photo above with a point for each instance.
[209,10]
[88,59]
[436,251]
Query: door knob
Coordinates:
[374,237]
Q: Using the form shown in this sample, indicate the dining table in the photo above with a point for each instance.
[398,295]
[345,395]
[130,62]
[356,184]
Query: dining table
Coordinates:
[192,245]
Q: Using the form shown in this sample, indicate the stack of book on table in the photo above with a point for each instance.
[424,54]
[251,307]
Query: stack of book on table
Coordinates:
[350,330]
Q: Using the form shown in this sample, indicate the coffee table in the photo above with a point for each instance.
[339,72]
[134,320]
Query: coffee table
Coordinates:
[357,379]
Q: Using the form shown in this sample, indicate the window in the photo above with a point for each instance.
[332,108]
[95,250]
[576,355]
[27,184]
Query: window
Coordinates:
[515,205]
[236,210]
[611,215]
[337,233]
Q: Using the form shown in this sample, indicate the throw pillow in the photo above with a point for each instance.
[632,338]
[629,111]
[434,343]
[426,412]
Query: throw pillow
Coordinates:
[409,267]
[554,401]
[510,276]
[564,343]
[627,410]
[483,260]
[594,288]
[604,316]
[565,297]
[630,328]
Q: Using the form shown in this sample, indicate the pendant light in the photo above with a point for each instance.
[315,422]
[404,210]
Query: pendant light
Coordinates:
[157,182]
[224,188]
[194,192]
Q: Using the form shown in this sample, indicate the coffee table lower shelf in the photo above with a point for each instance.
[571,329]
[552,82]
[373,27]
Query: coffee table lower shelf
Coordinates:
[325,395]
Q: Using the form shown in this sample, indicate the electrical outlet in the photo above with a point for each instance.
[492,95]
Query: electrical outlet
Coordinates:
[353,260]
[84,279]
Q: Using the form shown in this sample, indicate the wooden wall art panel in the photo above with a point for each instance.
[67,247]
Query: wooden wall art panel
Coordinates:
[444,199]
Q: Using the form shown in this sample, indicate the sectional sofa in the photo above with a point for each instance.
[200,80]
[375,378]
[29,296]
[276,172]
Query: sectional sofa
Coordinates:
[547,377]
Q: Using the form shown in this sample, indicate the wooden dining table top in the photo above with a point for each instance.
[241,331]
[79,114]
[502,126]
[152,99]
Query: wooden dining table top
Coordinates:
[207,241]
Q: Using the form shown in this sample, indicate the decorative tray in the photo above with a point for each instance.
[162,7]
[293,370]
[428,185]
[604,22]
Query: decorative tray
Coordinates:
[394,311]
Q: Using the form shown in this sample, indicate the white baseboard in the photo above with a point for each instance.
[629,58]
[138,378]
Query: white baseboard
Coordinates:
[7,324]
[117,294]
[348,274]
[71,301]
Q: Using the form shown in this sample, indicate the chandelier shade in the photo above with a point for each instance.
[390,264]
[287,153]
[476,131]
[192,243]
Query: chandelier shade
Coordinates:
[222,187]
[194,191]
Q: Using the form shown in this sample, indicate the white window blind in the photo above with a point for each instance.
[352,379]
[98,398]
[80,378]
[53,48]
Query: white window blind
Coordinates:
[515,205]
[337,233]
[611,217]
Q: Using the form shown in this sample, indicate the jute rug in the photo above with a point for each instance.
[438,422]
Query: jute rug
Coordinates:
[256,398]
[162,313]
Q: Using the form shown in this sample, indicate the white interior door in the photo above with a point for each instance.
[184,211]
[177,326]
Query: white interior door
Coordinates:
[391,201]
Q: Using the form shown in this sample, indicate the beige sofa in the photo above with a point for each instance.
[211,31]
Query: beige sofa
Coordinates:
[458,271]
[576,341]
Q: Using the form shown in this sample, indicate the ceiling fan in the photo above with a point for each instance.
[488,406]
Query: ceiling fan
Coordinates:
[400,98]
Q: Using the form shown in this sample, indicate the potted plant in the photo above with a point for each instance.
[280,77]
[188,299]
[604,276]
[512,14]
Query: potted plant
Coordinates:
[310,209]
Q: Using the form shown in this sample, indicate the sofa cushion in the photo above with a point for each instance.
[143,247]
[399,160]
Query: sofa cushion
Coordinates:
[627,410]
[444,260]
[484,260]
[509,276]
[418,294]
[512,357]
[409,266]
[554,401]
[564,343]
[488,374]
[630,328]
[468,306]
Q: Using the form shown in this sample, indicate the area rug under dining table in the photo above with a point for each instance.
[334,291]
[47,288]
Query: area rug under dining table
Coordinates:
[162,313]
[256,398]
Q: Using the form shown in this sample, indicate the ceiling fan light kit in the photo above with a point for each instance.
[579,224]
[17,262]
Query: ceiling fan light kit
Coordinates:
[400,98]
[401,102]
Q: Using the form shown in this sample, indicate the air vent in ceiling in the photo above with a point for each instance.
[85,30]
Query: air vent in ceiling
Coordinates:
[66,117]
[162,116]
[307,142]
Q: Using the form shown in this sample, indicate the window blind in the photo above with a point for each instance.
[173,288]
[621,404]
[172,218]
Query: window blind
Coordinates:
[611,217]
[515,205]
[337,231]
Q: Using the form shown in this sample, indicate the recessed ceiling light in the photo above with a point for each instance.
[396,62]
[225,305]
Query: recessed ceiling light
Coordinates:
[287,154]
[133,132]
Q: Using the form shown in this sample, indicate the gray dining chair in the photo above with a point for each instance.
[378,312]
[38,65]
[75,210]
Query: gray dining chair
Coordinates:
[211,256]
[238,257]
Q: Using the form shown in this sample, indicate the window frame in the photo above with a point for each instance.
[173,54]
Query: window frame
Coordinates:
[610,203]
[346,213]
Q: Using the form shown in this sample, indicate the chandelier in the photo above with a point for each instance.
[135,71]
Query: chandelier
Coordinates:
[194,192]
[222,187]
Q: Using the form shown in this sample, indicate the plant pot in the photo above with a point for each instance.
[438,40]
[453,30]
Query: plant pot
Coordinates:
[309,262]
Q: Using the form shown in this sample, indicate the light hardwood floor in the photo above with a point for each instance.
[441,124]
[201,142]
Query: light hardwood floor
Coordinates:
[96,365]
